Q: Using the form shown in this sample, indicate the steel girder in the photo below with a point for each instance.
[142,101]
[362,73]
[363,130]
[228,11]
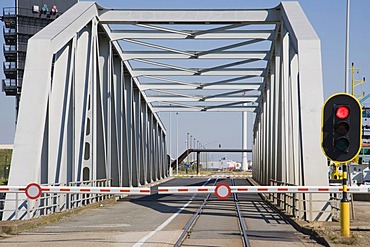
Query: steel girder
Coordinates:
[287,127]
[95,78]
[82,116]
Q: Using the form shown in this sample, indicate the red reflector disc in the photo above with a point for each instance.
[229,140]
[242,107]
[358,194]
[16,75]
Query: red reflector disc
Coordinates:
[342,112]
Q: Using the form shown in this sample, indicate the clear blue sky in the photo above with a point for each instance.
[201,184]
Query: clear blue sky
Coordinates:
[327,18]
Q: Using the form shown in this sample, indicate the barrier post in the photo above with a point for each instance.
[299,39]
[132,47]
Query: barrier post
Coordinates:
[344,206]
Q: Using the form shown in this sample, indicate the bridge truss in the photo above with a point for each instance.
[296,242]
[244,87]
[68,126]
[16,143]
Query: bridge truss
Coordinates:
[96,78]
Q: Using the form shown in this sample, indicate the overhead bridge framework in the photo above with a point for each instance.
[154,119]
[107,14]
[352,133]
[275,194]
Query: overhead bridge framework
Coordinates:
[96,78]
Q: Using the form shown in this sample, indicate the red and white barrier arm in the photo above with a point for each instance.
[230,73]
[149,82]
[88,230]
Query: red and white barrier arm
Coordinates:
[297,189]
[186,189]
[80,190]
[263,189]
[12,189]
[96,190]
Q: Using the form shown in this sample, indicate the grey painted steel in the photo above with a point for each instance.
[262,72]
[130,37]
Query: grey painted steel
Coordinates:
[102,75]
[244,140]
[85,118]
[256,16]
[287,127]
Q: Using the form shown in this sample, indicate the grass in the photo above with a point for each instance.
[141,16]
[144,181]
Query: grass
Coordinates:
[3,181]
[337,238]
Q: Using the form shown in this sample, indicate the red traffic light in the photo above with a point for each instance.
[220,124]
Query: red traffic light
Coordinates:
[341,127]
[342,112]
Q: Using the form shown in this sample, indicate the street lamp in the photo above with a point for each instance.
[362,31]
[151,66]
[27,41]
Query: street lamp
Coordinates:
[190,146]
[194,155]
[205,146]
[177,143]
[169,139]
[187,146]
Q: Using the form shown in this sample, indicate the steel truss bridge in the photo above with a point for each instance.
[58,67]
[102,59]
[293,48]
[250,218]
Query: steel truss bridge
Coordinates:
[96,78]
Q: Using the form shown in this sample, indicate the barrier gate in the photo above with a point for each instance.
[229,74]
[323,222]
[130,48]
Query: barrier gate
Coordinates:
[33,191]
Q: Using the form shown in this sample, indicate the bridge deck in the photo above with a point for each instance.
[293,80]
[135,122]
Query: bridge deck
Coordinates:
[157,220]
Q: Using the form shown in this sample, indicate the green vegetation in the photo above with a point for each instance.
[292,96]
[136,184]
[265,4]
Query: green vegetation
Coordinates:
[5,159]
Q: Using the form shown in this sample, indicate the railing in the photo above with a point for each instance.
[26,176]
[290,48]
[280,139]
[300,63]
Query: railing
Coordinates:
[50,203]
[297,205]
[289,202]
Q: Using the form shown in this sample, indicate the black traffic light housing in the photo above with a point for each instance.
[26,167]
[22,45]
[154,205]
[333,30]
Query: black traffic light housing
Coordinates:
[341,133]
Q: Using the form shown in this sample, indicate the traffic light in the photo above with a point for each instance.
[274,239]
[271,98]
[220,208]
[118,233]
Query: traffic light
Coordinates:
[341,127]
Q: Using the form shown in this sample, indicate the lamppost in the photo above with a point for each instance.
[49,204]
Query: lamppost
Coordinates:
[187,146]
[205,146]
[344,204]
[194,154]
[177,143]
[197,155]
[190,145]
[169,139]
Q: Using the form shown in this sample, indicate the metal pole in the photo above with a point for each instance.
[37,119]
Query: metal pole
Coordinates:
[244,141]
[197,146]
[206,161]
[347,47]
[344,206]
[202,155]
[177,143]
[194,148]
[170,135]
[187,147]
[353,79]
[190,146]
[198,156]
[169,142]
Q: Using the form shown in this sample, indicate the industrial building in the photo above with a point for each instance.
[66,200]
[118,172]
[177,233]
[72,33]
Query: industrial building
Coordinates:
[21,22]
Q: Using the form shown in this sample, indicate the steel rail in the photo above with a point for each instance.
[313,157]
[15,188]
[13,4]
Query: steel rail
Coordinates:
[189,225]
[192,220]
[243,227]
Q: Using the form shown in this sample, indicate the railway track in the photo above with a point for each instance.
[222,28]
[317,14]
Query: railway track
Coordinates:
[211,206]
[159,220]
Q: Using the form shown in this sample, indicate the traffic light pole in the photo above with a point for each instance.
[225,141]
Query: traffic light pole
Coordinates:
[341,138]
[344,206]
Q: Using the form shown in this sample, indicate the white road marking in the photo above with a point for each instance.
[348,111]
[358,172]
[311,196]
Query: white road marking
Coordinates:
[90,226]
[164,224]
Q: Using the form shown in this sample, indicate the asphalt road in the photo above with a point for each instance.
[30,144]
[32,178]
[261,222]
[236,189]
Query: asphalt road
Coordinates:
[158,220]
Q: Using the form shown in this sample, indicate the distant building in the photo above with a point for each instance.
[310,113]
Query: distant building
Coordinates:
[223,165]
[6,146]
[21,23]
[366,124]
